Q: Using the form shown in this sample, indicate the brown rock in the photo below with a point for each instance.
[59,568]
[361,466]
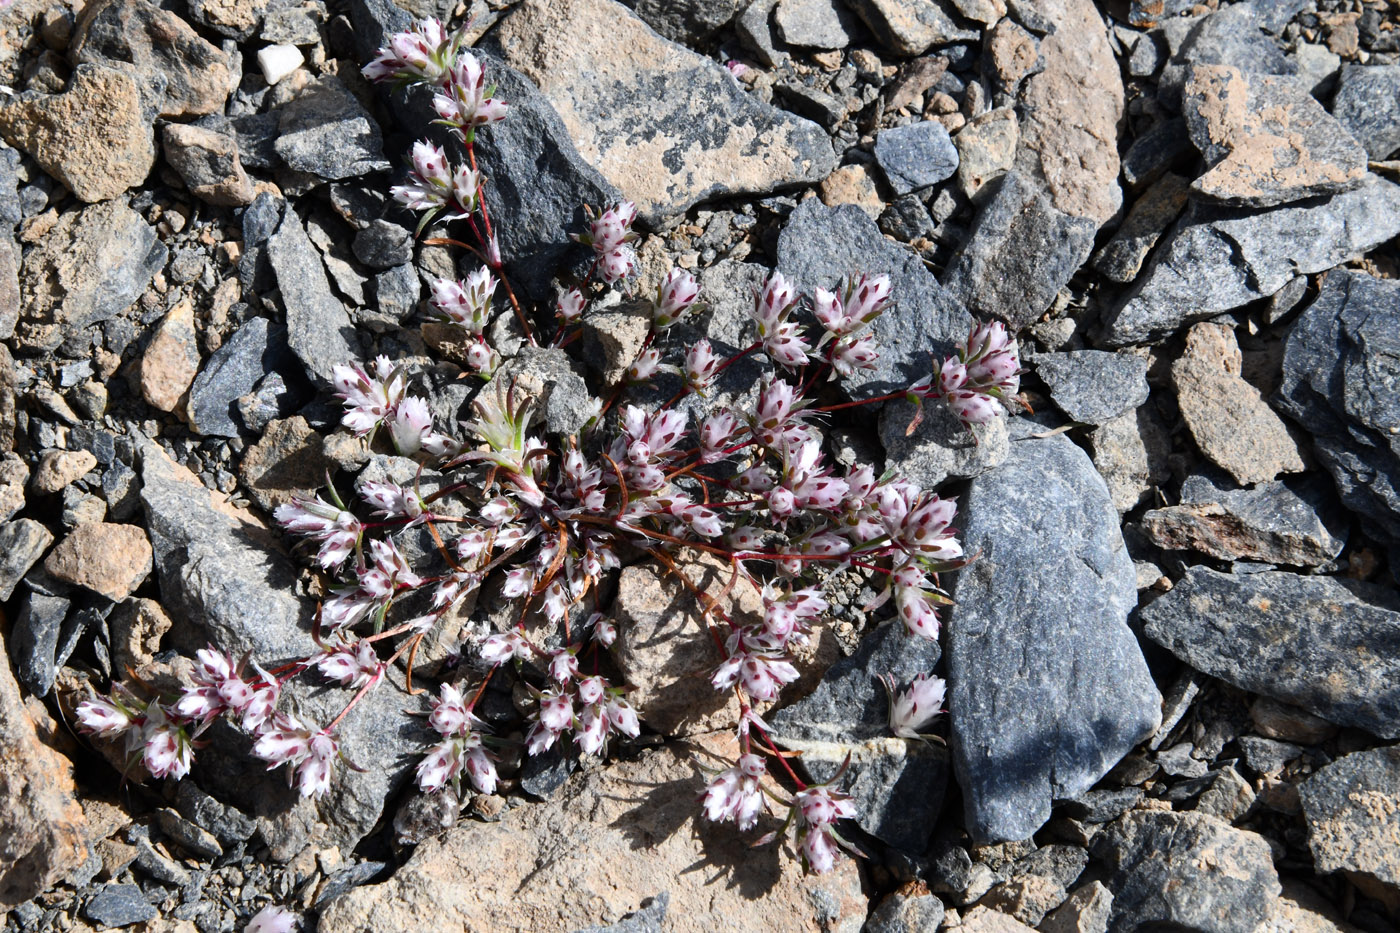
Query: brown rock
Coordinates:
[58,468]
[909,27]
[238,19]
[1130,452]
[1302,910]
[105,558]
[986,148]
[209,164]
[288,461]
[1069,131]
[137,628]
[42,830]
[13,475]
[1086,910]
[9,292]
[914,80]
[95,137]
[171,359]
[1122,257]
[985,12]
[613,337]
[604,843]
[8,380]
[664,648]
[1288,723]
[986,920]
[1228,417]
[852,184]
[1027,898]
[1013,53]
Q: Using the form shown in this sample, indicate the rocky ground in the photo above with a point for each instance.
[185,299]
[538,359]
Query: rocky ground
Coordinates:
[1174,671]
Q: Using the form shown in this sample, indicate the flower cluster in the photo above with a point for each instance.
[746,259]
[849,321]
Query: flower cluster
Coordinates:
[382,398]
[163,738]
[610,234]
[988,370]
[589,707]
[459,750]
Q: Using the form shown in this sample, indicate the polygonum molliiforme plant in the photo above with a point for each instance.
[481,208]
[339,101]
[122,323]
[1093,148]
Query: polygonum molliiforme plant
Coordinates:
[548,518]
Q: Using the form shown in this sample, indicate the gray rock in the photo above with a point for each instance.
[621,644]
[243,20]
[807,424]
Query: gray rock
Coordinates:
[235,20]
[257,349]
[556,382]
[1341,382]
[1093,386]
[1156,151]
[541,775]
[756,33]
[34,641]
[941,447]
[905,913]
[383,245]
[1352,808]
[906,219]
[257,139]
[194,840]
[1290,522]
[821,244]
[22,542]
[686,21]
[916,156]
[228,825]
[1238,122]
[1328,645]
[812,103]
[119,905]
[897,783]
[1121,258]
[289,26]
[814,24]
[694,134]
[318,328]
[909,27]
[397,291]
[1030,727]
[1267,756]
[1086,910]
[1368,104]
[325,132]
[1230,36]
[651,918]
[221,575]
[1216,260]
[1186,871]
[1020,251]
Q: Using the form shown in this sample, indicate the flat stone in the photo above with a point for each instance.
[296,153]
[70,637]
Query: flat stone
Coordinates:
[325,131]
[13,475]
[109,559]
[1230,36]
[909,27]
[1367,103]
[1121,258]
[982,919]
[34,640]
[986,148]
[814,24]
[1290,522]
[287,462]
[1352,809]
[686,21]
[1340,379]
[897,783]
[613,835]
[556,383]
[119,905]
[1032,727]
[1093,386]
[852,184]
[171,360]
[1328,645]
[1187,871]
[93,265]
[319,331]
[237,19]
[1165,146]
[208,161]
[1228,417]
[696,135]
[234,370]
[22,542]
[1216,260]
[820,245]
[1020,251]
[916,156]
[1265,139]
[1013,53]
[941,447]
[754,29]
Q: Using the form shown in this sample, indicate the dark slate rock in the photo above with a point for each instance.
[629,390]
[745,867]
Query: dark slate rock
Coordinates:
[1294,522]
[1352,808]
[1186,871]
[906,913]
[223,578]
[194,840]
[1020,251]
[347,879]
[1326,644]
[318,328]
[22,542]
[119,491]
[257,139]
[1100,806]
[1218,259]
[821,244]
[941,447]
[813,103]
[1230,36]
[651,918]
[227,824]
[1033,726]
[1341,382]
[916,156]
[397,291]
[685,21]
[383,245]
[815,24]
[541,775]
[260,221]
[119,905]
[1367,103]
[1155,152]
[234,370]
[897,783]
[907,219]
[1267,756]
[325,131]
[34,641]
[1093,386]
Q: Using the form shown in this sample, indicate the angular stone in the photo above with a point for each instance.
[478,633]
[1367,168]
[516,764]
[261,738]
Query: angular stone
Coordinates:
[34,640]
[1160,205]
[171,360]
[1367,103]
[915,156]
[1186,871]
[613,835]
[59,468]
[1341,382]
[555,382]
[1290,522]
[897,783]
[1093,386]
[814,24]
[237,19]
[986,148]
[686,21]
[1216,260]
[695,135]
[109,559]
[325,131]
[90,267]
[819,245]
[1228,417]
[1352,808]
[119,905]
[1086,910]
[1165,146]
[208,162]
[853,184]
[905,913]
[941,447]
[909,27]
[1326,644]
[22,543]
[234,370]
[95,137]
[1030,727]
[1230,36]
[1020,251]
[42,827]
[287,462]
[1265,139]
[318,328]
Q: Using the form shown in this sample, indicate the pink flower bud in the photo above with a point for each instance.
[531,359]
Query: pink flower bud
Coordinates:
[617,264]
[102,716]
[570,305]
[645,366]
[674,297]
[972,407]
[913,709]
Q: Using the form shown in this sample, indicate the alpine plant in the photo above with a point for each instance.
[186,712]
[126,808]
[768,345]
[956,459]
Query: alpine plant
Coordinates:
[544,520]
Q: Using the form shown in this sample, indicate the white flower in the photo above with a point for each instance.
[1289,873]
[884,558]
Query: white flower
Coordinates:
[913,709]
[735,794]
[102,716]
[272,919]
